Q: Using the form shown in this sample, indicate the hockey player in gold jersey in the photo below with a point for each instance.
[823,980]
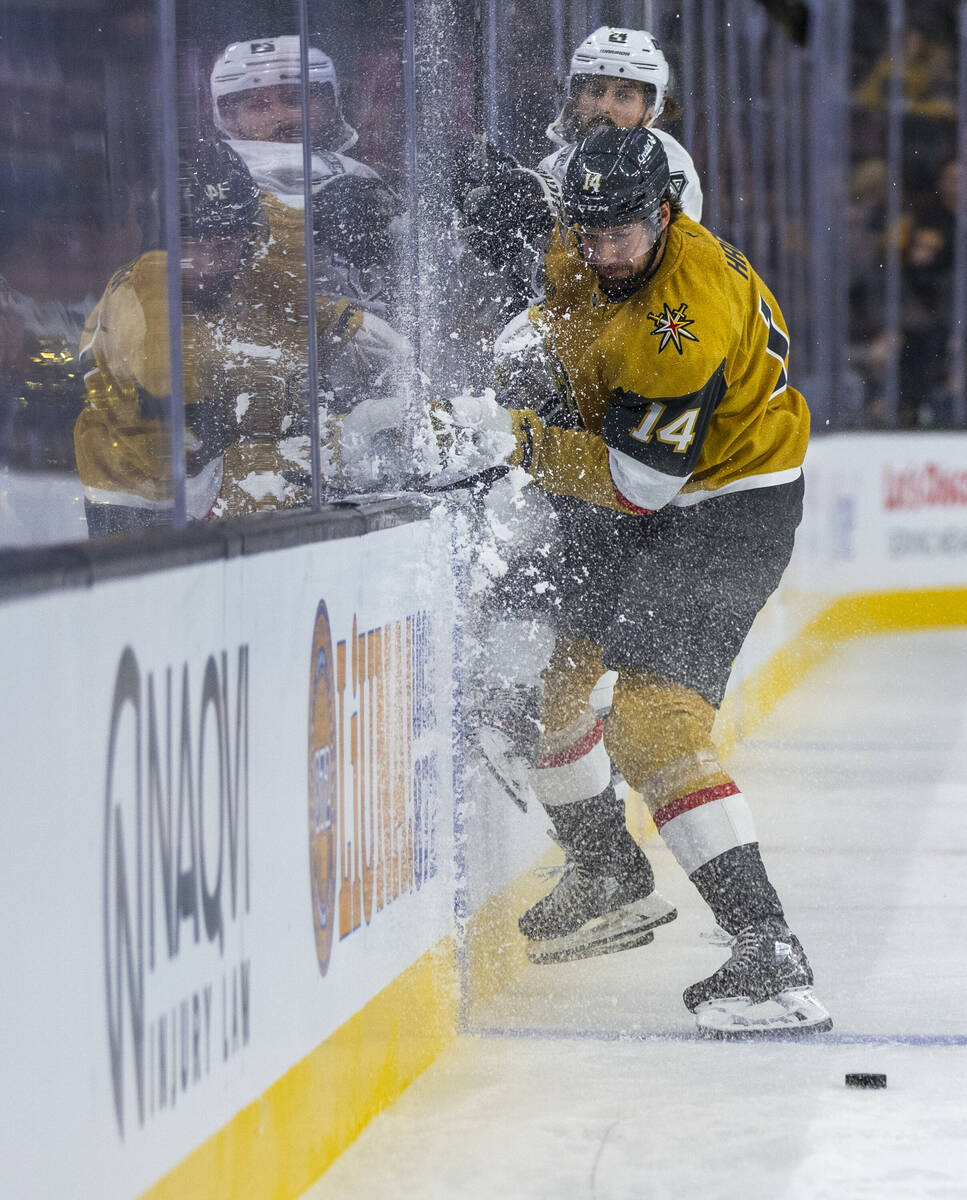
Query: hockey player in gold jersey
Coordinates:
[244,346]
[684,490]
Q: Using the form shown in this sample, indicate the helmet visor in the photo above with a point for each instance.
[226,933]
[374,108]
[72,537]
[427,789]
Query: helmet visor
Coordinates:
[619,245]
[274,113]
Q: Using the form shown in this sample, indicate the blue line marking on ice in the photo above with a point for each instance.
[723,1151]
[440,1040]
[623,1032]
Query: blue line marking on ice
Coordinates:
[621,1035]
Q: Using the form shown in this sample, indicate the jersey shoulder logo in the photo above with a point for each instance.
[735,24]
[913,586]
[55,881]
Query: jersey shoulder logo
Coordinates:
[672,326]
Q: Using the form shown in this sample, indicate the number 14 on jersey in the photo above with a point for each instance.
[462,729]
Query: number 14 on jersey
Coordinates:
[679,432]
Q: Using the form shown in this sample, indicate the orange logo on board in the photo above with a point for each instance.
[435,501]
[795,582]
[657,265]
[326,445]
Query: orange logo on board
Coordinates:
[374,781]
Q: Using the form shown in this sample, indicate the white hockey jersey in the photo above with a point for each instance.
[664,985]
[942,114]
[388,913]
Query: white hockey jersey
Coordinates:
[278,169]
[683,173]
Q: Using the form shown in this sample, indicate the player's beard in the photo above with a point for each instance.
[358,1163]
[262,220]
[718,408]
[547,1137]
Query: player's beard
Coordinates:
[621,286]
[601,121]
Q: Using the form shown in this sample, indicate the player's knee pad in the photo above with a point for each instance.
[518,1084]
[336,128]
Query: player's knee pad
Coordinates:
[658,733]
[569,679]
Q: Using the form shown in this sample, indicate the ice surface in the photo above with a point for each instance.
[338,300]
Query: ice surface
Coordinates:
[585,1079]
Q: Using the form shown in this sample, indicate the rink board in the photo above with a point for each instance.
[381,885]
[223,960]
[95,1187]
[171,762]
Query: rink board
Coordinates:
[236,878]
[882,548]
[228,864]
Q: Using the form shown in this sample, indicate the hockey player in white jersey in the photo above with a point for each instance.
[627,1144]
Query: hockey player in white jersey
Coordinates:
[620,77]
[507,212]
[257,99]
[257,95]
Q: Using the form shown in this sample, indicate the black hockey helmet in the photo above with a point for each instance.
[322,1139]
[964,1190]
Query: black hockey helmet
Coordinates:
[615,177]
[219,198]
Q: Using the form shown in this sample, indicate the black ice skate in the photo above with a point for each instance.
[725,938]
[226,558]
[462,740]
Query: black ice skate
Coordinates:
[605,900]
[764,990]
[591,911]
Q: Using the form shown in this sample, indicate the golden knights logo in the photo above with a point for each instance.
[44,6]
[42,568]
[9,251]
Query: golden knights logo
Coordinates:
[672,326]
[322,787]
[592,181]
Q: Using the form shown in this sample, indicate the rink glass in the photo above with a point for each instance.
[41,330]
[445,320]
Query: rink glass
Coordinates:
[832,164]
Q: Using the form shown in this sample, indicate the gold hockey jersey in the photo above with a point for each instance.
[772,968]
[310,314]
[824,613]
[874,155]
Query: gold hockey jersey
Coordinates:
[682,387]
[245,370]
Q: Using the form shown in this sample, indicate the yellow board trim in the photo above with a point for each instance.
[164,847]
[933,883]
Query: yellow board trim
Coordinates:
[281,1143]
[849,617]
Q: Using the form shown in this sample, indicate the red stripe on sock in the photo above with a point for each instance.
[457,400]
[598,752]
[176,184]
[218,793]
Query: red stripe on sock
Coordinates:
[573,753]
[685,804]
[623,499]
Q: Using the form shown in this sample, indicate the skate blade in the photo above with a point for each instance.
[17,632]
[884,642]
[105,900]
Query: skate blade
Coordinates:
[544,954]
[624,929]
[793,1013]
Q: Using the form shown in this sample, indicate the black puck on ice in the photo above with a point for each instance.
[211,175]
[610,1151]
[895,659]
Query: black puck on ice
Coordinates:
[866,1081]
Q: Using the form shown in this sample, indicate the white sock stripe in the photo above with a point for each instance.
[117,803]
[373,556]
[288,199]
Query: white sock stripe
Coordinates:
[587,776]
[701,834]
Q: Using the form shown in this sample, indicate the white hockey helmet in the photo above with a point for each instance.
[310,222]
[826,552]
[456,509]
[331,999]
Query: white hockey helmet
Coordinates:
[622,53]
[268,62]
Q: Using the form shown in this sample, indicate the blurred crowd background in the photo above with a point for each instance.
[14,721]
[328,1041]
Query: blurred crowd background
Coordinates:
[830,138]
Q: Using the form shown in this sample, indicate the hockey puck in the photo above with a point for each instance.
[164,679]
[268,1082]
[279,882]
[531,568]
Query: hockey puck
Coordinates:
[866,1081]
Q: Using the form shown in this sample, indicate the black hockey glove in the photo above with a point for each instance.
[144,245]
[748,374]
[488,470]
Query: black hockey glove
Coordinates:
[353,215]
[504,208]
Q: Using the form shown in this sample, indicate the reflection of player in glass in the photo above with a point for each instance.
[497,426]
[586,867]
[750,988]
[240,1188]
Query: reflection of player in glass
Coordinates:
[122,439]
[257,99]
[245,349]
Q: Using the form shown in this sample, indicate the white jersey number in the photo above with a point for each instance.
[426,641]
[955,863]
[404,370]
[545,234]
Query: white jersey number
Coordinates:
[679,432]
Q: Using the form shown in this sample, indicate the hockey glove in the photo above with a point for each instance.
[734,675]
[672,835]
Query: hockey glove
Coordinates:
[478,440]
[354,215]
[503,208]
